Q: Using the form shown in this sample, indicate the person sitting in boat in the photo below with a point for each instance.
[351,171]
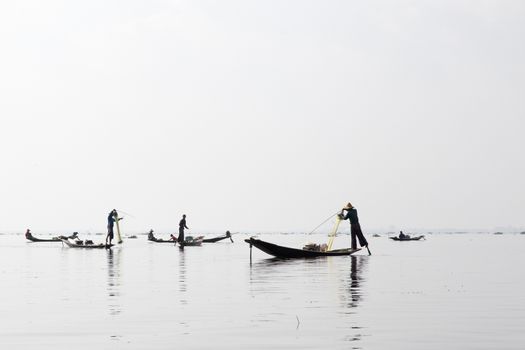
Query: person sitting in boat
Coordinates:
[403,236]
[72,236]
[173,238]
[355,227]
[151,237]
[28,234]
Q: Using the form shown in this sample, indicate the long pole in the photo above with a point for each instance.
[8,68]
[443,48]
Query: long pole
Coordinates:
[118,230]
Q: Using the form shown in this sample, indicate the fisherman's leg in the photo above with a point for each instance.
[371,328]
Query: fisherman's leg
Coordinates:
[361,237]
[354,241]
[362,241]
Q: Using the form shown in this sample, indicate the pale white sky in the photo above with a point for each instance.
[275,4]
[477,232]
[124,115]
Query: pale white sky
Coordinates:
[261,115]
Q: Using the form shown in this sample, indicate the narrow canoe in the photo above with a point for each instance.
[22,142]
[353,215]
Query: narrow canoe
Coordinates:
[293,253]
[217,239]
[161,241]
[34,239]
[407,239]
[87,246]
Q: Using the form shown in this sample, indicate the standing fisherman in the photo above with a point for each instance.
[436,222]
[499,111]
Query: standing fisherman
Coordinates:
[182,226]
[111,221]
[355,228]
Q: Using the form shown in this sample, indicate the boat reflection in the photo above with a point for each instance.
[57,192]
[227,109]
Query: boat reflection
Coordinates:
[114,286]
[309,287]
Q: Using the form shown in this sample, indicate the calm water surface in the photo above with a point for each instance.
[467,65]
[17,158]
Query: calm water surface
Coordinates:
[461,291]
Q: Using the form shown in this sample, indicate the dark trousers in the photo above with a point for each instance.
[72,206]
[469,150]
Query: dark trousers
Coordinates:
[355,230]
[181,235]
[110,233]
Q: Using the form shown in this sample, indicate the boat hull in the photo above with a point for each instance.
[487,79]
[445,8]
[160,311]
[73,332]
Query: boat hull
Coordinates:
[293,253]
[216,239]
[88,246]
[33,239]
[407,239]
[162,241]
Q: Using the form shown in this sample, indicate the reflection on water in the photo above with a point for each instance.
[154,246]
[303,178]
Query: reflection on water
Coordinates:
[306,290]
[114,281]
[357,265]
[182,274]
[152,296]
[352,296]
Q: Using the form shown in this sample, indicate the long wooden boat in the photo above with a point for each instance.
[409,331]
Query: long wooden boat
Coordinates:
[162,241]
[217,239]
[293,253]
[86,246]
[407,239]
[34,239]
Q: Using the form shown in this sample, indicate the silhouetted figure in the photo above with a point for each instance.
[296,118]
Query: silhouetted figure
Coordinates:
[182,226]
[111,222]
[28,234]
[403,236]
[151,237]
[229,235]
[355,227]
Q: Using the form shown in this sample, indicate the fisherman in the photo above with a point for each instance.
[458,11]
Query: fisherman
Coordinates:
[403,236]
[173,238]
[28,234]
[355,228]
[229,235]
[111,221]
[151,237]
[182,226]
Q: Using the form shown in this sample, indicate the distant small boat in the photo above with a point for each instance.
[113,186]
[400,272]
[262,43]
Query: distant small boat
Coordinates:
[156,240]
[498,233]
[293,253]
[522,233]
[217,239]
[86,246]
[376,235]
[407,239]
[132,237]
[30,237]
[34,239]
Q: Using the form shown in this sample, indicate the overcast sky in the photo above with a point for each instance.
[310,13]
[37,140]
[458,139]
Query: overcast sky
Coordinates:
[261,115]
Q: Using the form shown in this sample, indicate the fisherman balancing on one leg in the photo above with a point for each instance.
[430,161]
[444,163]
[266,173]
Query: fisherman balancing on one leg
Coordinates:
[355,228]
